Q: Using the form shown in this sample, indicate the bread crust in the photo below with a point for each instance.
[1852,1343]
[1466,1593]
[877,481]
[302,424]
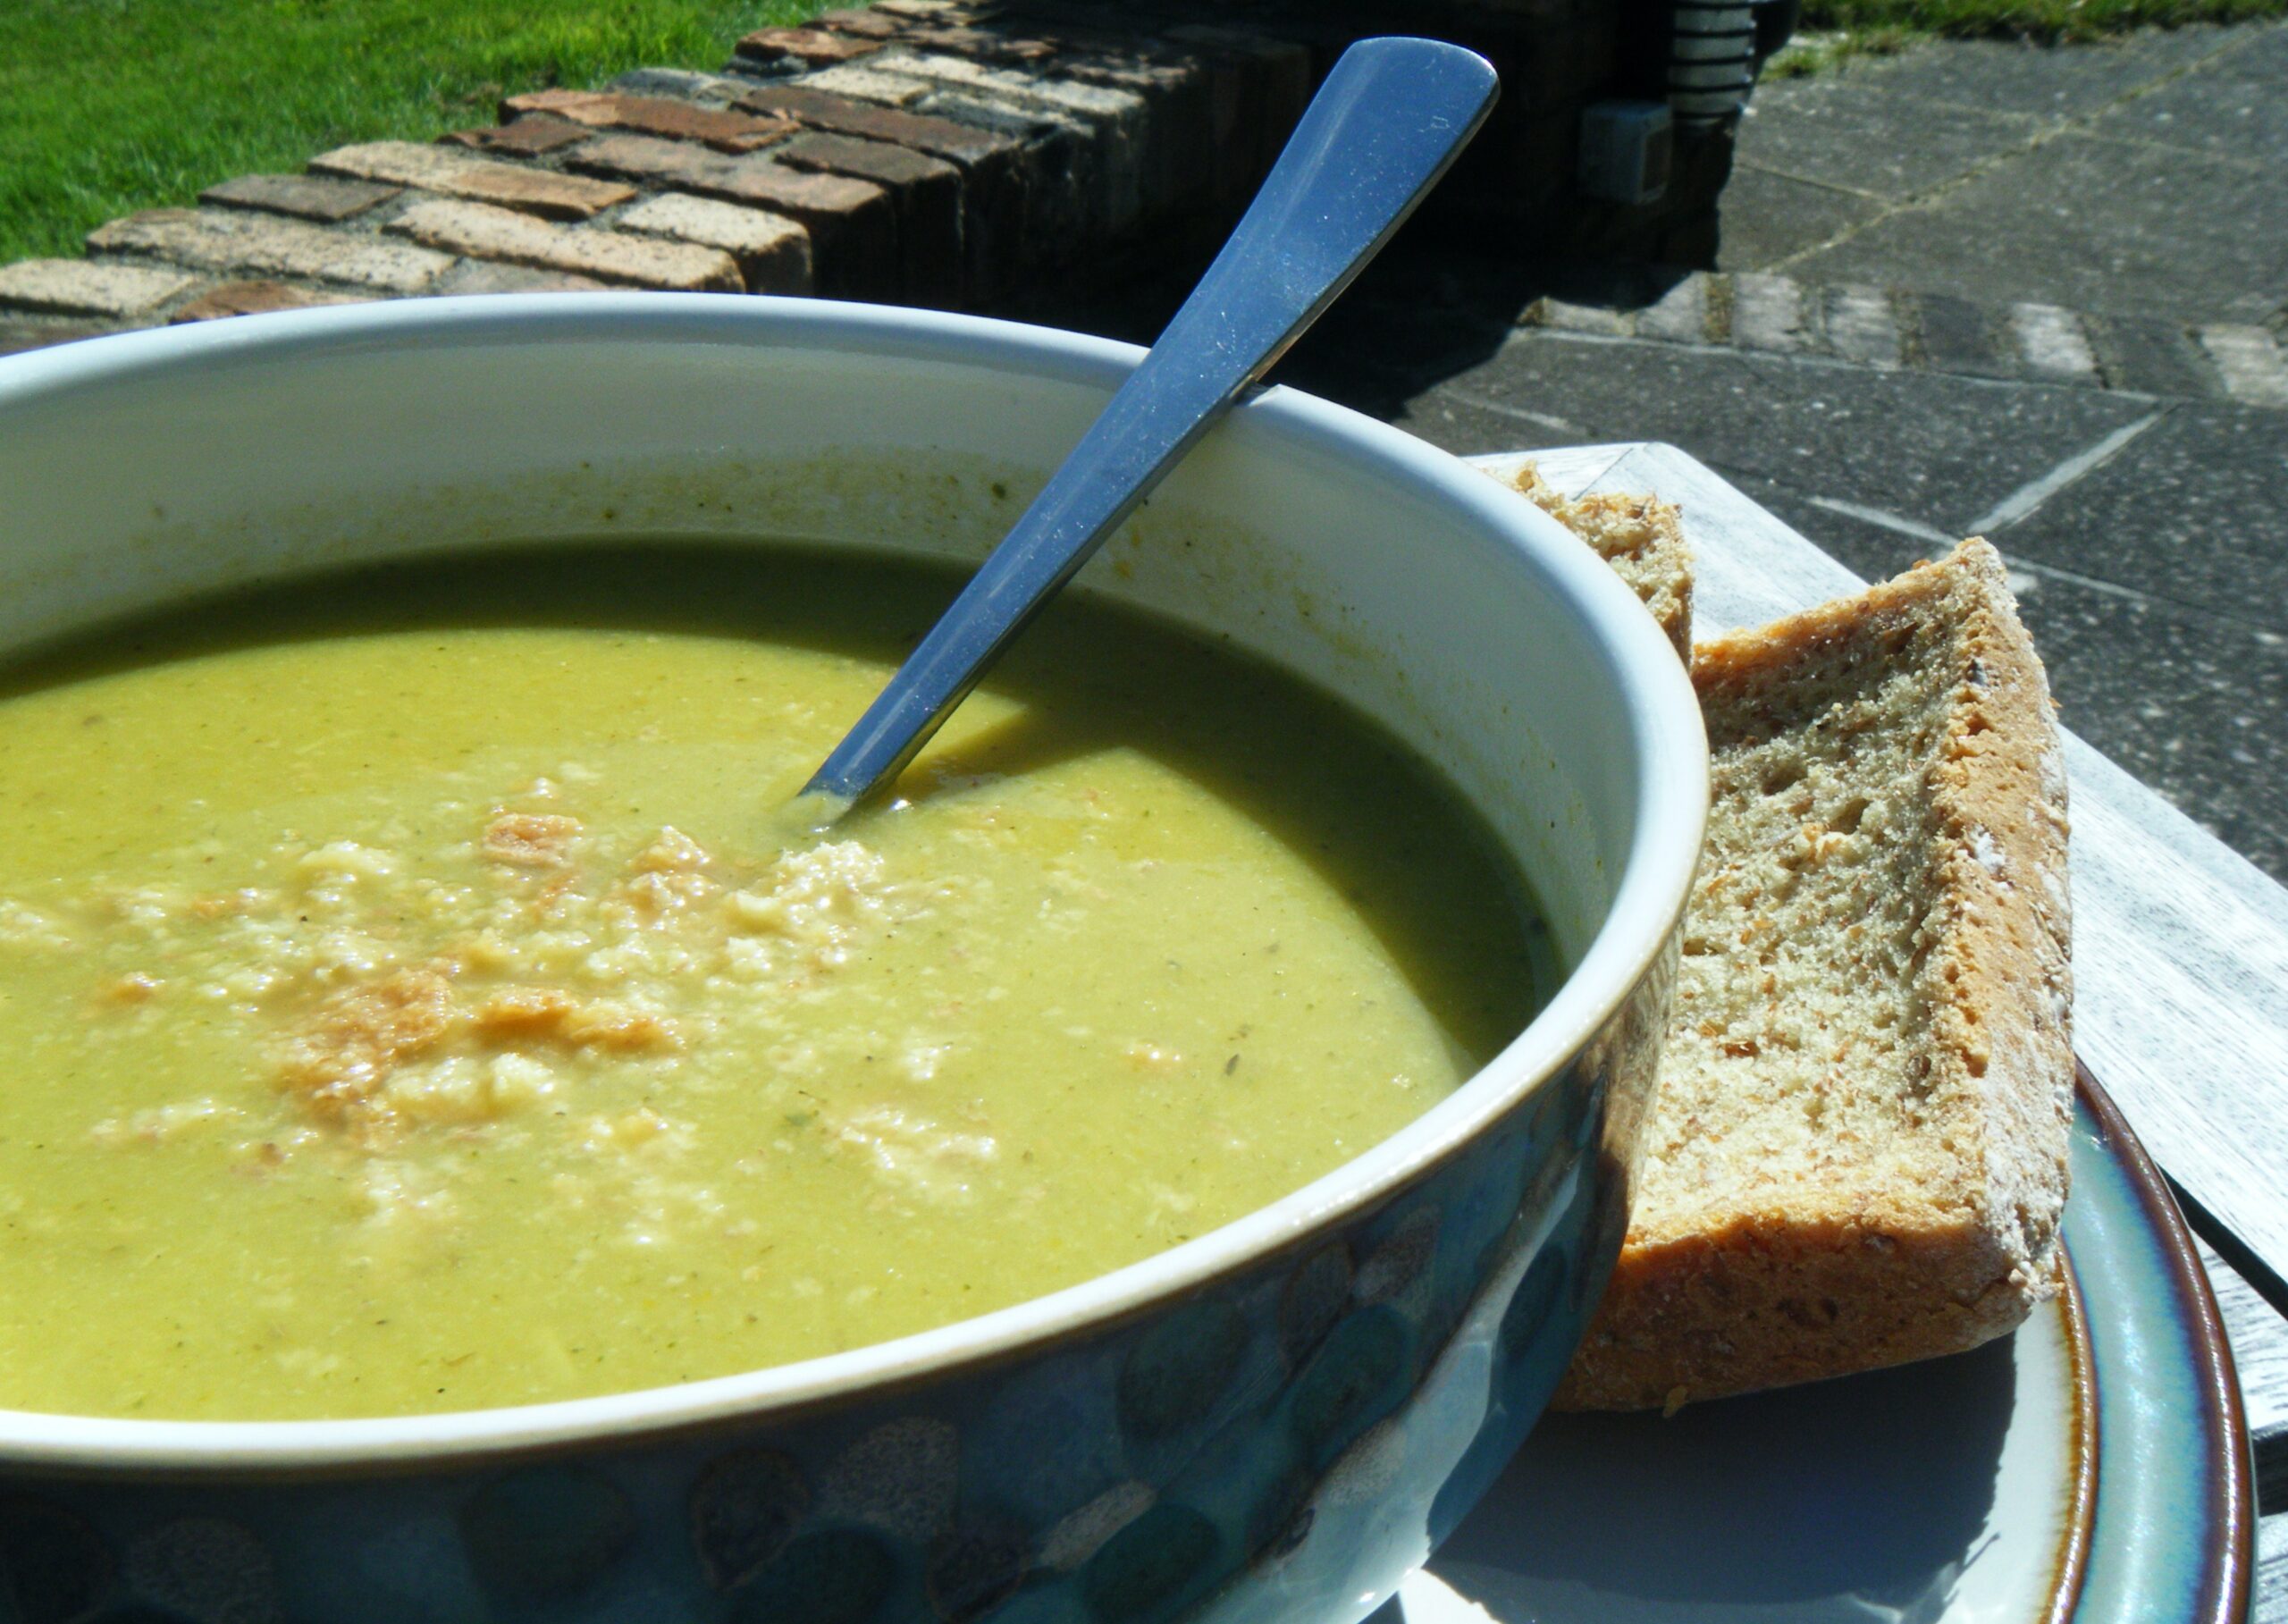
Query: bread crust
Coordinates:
[1640,537]
[1842,1271]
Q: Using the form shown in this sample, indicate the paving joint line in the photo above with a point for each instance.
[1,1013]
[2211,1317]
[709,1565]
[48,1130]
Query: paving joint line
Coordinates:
[2027,499]
[2044,134]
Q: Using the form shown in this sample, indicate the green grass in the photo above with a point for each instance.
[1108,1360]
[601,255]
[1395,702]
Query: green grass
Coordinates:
[1836,29]
[110,106]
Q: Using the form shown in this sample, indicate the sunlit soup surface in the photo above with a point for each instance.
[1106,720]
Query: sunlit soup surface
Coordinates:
[409,1001]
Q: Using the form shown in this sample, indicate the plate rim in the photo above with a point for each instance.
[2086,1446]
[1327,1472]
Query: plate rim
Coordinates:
[2227,1467]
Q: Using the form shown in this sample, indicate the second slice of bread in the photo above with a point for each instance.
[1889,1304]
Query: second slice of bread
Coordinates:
[1856,1153]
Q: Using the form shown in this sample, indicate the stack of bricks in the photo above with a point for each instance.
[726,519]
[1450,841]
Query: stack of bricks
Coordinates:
[945,153]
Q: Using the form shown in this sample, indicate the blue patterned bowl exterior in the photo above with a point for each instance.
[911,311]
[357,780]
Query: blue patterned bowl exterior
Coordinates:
[1278,1422]
[1285,1442]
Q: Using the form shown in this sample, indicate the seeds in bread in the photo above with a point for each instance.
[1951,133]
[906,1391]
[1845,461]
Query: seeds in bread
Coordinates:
[1639,536]
[1857,1150]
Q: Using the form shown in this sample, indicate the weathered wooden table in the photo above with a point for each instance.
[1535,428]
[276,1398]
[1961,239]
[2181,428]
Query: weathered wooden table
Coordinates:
[2180,962]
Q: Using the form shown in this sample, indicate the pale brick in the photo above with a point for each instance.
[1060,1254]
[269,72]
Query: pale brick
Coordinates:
[853,227]
[1120,118]
[321,198]
[867,83]
[482,232]
[1561,315]
[1679,316]
[261,245]
[2052,344]
[720,128]
[2249,359]
[255,299]
[75,287]
[707,89]
[1863,327]
[773,252]
[1768,314]
[440,169]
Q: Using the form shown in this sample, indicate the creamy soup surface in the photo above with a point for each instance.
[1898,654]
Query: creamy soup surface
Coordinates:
[410,1003]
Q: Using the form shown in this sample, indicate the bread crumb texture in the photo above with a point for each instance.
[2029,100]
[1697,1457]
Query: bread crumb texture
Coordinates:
[1857,1151]
[1639,536]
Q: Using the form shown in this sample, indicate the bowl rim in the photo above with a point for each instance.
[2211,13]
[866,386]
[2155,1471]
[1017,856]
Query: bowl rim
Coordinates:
[1670,757]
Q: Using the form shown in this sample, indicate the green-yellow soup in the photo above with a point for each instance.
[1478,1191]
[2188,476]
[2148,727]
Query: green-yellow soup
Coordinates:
[409,1002]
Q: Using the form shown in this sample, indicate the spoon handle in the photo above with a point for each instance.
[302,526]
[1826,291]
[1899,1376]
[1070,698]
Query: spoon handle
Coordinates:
[1384,127]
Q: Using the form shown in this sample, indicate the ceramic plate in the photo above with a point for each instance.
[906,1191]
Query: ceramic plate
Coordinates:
[2092,1469]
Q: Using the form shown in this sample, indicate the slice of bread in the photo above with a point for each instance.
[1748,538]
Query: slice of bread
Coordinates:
[1639,536]
[1857,1152]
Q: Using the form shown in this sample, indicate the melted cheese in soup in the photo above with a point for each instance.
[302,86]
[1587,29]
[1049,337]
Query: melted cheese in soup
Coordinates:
[410,1004]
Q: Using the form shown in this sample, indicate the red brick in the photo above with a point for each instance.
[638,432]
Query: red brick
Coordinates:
[964,146]
[525,138]
[482,232]
[320,197]
[441,169]
[75,287]
[927,192]
[485,276]
[261,245]
[254,299]
[673,120]
[994,173]
[816,47]
[853,225]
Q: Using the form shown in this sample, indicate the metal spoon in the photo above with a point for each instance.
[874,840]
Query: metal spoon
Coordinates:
[1384,127]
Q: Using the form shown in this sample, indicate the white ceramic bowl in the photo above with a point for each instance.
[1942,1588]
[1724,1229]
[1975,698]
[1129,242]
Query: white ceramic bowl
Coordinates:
[1348,1364]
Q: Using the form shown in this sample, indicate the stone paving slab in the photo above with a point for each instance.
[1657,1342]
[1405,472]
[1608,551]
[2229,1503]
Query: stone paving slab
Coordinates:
[2138,179]
[2040,81]
[1834,133]
[2092,223]
[1937,450]
[2234,105]
[2193,511]
[1770,217]
[2148,539]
